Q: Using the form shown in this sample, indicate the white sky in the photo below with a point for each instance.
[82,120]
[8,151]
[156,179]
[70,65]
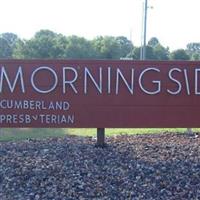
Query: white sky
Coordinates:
[174,22]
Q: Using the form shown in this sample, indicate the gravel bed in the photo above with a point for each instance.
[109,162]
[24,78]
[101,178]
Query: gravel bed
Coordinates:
[158,166]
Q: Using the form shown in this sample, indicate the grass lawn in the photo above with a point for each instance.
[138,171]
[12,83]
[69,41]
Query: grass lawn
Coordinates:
[8,134]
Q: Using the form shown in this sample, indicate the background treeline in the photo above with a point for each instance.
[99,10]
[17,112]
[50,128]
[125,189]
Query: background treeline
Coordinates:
[48,44]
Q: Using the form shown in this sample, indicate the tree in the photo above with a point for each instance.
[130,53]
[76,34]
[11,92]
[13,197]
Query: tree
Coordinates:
[7,44]
[154,51]
[45,44]
[134,54]
[126,46]
[107,47]
[153,42]
[5,49]
[179,54]
[195,56]
[79,47]
[150,55]
[193,49]
[160,52]
[11,38]
[20,50]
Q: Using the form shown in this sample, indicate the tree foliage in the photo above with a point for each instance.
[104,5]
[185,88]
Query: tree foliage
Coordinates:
[154,51]
[109,47]
[7,44]
[47,44]
[180,54]
[153,42]
[193,50]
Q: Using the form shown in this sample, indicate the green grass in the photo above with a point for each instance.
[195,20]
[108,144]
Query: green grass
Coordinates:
[117,131]
[8,134]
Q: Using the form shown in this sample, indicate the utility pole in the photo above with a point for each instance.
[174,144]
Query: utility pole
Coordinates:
[144,31]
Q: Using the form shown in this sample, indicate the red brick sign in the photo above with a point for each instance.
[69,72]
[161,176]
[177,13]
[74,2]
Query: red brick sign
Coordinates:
[87,93]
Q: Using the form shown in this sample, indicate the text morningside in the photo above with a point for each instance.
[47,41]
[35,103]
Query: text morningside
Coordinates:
[102,81]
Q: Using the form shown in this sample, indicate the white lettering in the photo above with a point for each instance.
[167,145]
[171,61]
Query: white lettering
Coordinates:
[176,81]
[56,119]
[70,82]
[186,81]
[27,119]
[118,75]
[98,86]
[197,92]
[19,75]
[109,80]
[155,82]
[33,80]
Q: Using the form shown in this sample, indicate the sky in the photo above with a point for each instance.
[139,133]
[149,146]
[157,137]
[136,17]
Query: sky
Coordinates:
[173,22]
